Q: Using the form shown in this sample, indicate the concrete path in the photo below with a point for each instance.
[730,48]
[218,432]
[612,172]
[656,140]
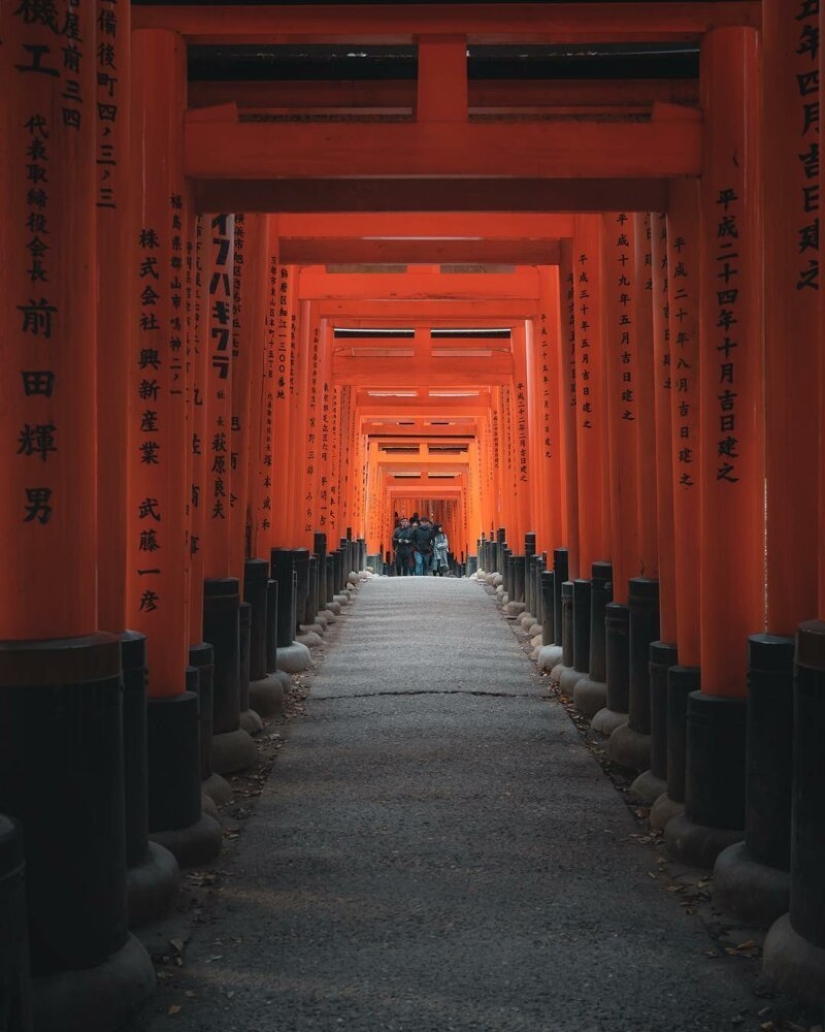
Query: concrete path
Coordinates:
[436,850]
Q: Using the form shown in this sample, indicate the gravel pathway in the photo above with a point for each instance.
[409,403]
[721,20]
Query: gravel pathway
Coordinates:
[436,850]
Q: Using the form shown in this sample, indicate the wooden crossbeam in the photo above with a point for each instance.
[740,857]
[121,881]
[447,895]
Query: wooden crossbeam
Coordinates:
[398,96]
[532,150]
[405,312]
[480,23]
[318,250]
[448,374]
[413,286]
[432,195]
[444,226]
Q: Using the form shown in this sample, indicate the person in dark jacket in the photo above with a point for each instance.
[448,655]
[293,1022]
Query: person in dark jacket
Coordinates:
[422,544]
[402,543]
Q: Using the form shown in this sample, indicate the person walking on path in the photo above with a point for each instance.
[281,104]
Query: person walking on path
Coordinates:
[402,543]
[422,543]
[441,547]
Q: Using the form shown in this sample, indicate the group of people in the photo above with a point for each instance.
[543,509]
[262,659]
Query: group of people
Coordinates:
[420,547]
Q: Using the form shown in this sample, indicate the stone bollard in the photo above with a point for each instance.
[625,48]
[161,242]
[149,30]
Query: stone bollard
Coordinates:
[68,797]
[232,748]
[794,952]
[652,783]
[617,669]
[752,878]
[15,977]
[629,744]
[590,693]
[682,681]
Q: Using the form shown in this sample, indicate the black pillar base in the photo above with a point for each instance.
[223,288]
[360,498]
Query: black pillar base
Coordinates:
[152,886]
[115,994]
[267,696]
[651,784]
[590,694]
[795,963]
[617,669]
[175,818]
[682,681]
[66,695]
[714,816]
[755,892]
[15,976]
[566,663]
[752,878]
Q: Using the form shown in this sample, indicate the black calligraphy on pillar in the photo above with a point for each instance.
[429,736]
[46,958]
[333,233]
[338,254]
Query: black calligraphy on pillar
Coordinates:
[805,71]
[521,415]
[39,316]
[582,305]
[727,302]
[107,102]
[282,335]
[624,298]
[682,375]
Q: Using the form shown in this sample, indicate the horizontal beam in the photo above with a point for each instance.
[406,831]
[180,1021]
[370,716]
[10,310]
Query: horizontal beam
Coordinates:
[535,150]
[331,250]
[400,94]
[487,23]
[404,312]
[413,286]
[521,195]
[444,226]
[448,374]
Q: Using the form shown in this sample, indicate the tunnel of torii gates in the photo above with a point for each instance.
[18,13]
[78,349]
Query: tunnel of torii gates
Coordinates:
[245,323]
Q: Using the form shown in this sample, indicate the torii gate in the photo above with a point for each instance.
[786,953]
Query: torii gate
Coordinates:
[171,410]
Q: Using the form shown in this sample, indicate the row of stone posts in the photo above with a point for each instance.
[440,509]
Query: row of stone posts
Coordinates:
[693,560]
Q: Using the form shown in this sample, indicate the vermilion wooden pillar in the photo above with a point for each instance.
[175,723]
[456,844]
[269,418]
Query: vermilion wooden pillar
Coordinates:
[584,684]
[569,428]
[547,394]
[232,748]
[682,383]
[731,440]
[116,312]
[284,374]
[619,291]
[262,539]
[630,745]
[522,472]
[787,833]
[59,677]
[297,449]
[663,653]
[159,446]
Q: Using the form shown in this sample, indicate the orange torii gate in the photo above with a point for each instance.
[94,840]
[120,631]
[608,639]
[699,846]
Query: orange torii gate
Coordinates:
[189,426]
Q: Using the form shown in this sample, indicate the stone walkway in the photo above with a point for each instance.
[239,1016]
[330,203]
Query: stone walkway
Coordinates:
[436,850]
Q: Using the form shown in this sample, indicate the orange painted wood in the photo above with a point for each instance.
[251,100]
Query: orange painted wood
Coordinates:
[441,94]
[309,251]
[686,355]
[570,289]
[731,470]
[488,23]
[523,456]
[444,226]
[519,193]
[199,370]
[619,291]
[218,244]
[399,95]
[586,352]
[643,389]
[249,322]
[452,312]
[390,372]
[159,440]
[316,284]
[231,150]
[662,370]
[47,334]
[793,345]
[285,328]
[116,311]
[261,539]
